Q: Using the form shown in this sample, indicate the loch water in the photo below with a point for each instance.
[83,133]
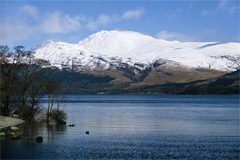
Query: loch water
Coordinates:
[136,127]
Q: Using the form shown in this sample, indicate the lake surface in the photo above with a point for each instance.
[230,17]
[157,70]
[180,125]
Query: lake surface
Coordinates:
[136,127]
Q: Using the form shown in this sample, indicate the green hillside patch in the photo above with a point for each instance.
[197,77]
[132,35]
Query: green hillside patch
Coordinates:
[78,83]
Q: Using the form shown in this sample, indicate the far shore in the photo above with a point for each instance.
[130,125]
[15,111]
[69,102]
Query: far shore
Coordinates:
[7,122]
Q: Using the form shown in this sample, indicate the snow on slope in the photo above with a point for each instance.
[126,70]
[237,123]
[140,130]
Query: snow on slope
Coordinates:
[110,48]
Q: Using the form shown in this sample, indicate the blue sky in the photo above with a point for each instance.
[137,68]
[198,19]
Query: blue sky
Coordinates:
[30,22]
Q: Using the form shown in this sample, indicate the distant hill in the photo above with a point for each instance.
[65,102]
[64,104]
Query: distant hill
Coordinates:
[171,83]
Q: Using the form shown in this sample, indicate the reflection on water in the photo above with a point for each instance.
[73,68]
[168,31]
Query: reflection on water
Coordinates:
[138,127]
[32,130]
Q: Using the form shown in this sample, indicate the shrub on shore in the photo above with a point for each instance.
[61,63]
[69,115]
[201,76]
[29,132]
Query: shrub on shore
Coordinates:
[59,116]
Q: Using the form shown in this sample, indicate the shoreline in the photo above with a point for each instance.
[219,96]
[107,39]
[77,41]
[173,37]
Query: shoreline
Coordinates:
[7,122]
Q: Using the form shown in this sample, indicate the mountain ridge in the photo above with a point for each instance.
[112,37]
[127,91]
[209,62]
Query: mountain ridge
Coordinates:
[111,49]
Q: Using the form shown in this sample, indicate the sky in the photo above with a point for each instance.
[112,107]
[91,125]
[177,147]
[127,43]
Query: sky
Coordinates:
[29,22]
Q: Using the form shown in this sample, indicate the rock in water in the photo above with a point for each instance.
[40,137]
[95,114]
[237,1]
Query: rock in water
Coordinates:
[87,132]
[39,139]
[13,128]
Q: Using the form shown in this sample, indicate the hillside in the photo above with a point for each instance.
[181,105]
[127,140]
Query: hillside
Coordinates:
[131,62]
[226,84]
[81,83]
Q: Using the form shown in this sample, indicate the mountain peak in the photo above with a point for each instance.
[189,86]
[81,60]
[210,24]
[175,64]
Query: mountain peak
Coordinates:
[42,44]
[115,43]
[117,33]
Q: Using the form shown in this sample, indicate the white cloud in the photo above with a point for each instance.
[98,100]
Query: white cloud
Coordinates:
[201,36]
[13,31]
[190,6]
[233,9]
[30,11]
[222,6]
[92,25]
[173,14]
[133,13]
[57,22]
[32,23]
[102,20]
[171,36]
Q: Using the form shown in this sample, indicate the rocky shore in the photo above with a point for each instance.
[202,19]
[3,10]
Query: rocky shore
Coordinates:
[7,122]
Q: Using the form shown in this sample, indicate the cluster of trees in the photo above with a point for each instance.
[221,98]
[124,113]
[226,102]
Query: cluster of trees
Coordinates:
[24,82]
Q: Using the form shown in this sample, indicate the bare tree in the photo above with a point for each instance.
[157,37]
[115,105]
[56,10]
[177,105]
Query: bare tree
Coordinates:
[22,79]
[51,87]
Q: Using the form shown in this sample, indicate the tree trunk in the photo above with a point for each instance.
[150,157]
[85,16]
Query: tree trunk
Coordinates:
[48,110]
[52,102]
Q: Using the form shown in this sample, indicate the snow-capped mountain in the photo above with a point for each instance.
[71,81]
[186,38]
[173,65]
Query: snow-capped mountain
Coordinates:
[111,49]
